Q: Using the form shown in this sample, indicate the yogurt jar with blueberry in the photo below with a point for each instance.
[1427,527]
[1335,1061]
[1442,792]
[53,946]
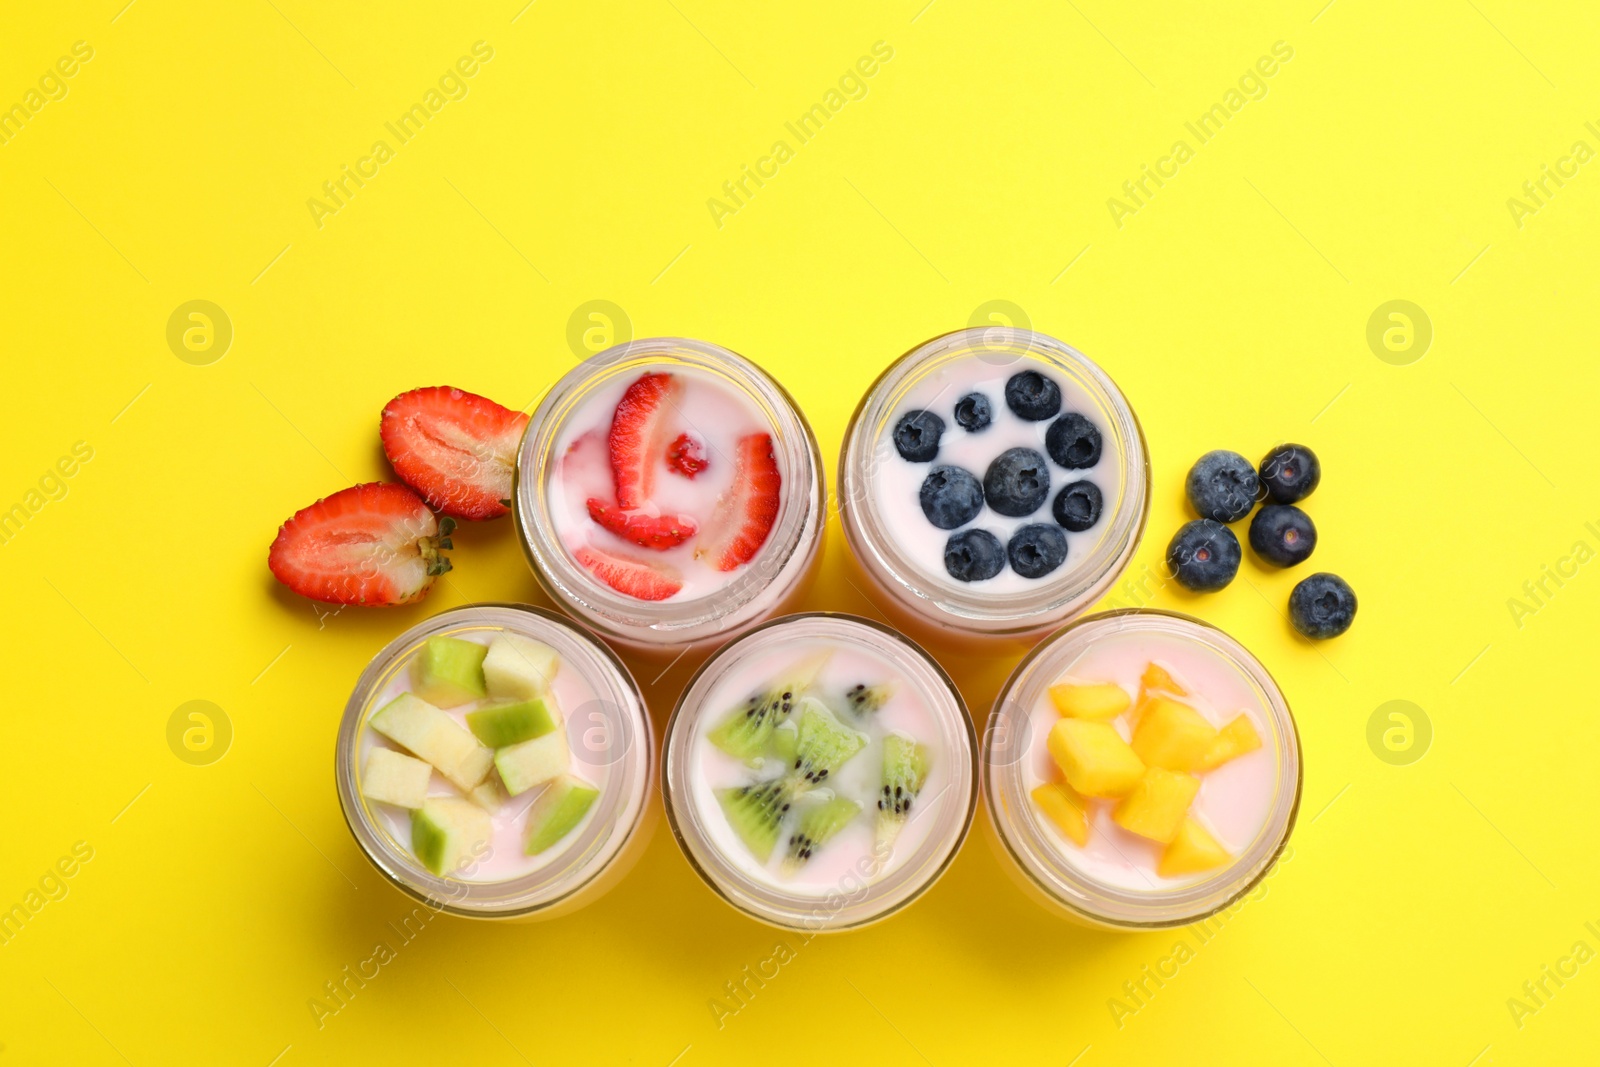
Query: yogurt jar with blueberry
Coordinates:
[993,483]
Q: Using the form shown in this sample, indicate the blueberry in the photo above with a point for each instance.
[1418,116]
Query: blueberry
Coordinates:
[916,435]
[1077,506]
[950,497]
[1290,473]
[973,555]
[1282,534]
[1322,606]
[1037,549]
[1222,486]
[973,412]
[1073,442]
[1203,555]
[1033,396]
[1017,482]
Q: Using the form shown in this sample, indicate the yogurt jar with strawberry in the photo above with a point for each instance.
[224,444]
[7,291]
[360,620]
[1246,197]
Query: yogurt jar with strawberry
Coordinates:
[993,484]
[670,494]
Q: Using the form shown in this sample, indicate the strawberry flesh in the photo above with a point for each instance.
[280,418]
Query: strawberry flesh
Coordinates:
[659,532]
[375,544]
[747,510]
[457,449]
[687,456]
[637,427]
[640,579]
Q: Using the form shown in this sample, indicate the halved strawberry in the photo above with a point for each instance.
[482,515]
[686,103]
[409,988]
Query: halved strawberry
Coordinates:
[637,578]
[375,544]
[747,510]
[648,531]
[457,449]
[637,426]
[687,456]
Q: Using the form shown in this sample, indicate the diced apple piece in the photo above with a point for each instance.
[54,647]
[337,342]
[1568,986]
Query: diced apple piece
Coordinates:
[449,671]
[1158,804]
[558,811]
[500,725]
[1079,701]
[525,765]
[430,734]
[519,668]
[1192,850]
[1172,735]
[1095,759]
[1158,677]
[395,778]
[1065,808]
[1234,739]
[447,832]
[488,794]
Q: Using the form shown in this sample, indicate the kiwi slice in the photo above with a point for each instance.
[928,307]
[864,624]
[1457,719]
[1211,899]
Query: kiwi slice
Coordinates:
[905,769]
[864,699]
[747,730]
[823,746]
[755,812]
[784,743]
[818,823]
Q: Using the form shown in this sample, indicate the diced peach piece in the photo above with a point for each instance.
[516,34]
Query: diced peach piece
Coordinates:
[1158,804]
[1234,739]
[1077,701]
[1173,735]
[1158,677]
[1095,759]
[1065,808]
[1191,851]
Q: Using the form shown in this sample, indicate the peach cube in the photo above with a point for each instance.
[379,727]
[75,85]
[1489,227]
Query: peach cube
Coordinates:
[1173,735]
[1158,677]
[1095,759]
[1191,851]
[1234,739]
[1158,805]
[1065,808]
[1078,701]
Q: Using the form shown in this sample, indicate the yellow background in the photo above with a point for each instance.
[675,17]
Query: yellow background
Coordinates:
[1232,308]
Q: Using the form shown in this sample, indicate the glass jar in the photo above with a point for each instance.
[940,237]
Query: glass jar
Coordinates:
[611,743]
[771,582]
[898,551]
[1054,871]
[879,880]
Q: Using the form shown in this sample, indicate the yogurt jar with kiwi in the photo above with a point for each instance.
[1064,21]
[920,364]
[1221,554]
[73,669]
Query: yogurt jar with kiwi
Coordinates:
[494,761]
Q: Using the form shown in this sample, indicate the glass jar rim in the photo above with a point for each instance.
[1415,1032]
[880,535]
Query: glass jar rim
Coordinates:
[1041,860]
[904,882]
[585,858]
[760,584]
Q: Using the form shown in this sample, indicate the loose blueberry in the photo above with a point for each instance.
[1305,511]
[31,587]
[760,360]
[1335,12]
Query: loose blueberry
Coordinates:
[1322,606]
[1077,506]
[916,436]
[1037,549]
[1282,534]
[1203,555]
[1222,486]
[950,497]
[1290,473]
[974,555]
[973,412]
[1033,396]
[1073,442]
[1017,483]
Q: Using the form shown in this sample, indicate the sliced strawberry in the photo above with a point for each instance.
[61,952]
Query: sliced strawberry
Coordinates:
[687,456]
[640,421]
[637,578]
[648,531]
[747,510]
[457,449]
[375,544]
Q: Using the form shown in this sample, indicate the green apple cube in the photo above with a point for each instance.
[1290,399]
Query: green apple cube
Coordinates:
[449,671]
[519,668]
[526,765]
[558,811]
[500,725]
[430,734]
[395,778]
[447,832]
[487,794]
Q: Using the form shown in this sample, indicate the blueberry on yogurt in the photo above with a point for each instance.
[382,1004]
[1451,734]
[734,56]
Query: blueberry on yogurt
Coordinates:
[1073,442]
[973,413]
[1037,549]
[1077,506]
[950,497]
[916,436]
[1032,396]
[1017,482]
[974,555]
